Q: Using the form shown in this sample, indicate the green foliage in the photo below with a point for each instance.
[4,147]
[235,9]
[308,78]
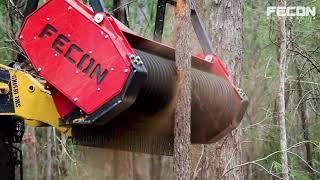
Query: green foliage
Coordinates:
[260,78]
[300,175]
[5,54]
[276,166]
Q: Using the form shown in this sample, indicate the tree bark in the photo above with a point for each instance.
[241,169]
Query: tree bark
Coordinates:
[225,29]
[13,17]
[63,158]
[156,167]
[122,161]
[282,39]
[120,11]
[182,129]
[30,153]
[141,14]
[304,117]
[123,167]
[49,156]
[142,166]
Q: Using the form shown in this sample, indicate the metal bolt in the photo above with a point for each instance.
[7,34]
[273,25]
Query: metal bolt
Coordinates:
[39,69]
[56,54]
[126,70]
[21,37]
[131,56]
[106,36]
[69,35]
[138,58]
[98,18]
[135,61]
[90,52]
[69,8]
[48,19]
[75,99]
[99,89]
[77,71]
[34,38]
[208,58]
[112,69]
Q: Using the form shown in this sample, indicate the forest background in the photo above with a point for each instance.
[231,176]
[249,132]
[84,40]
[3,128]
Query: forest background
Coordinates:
[48,155]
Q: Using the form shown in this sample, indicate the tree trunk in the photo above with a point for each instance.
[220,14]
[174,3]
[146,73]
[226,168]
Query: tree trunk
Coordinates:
[49,156]
[156,166]
[63,161]
[120,11]
[167,170]
[304,117]
[282,39]
[182,130]
[225,25]
[30,153]
[142,166]
[122,161]
[141,14]
[123,167]
[12,18]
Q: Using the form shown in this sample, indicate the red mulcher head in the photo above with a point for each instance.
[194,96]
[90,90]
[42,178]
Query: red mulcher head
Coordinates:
[122,85]
[89,63]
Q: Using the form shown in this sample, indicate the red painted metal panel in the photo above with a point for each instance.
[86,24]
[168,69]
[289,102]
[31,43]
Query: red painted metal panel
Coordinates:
[86,61]
[63,104]
[217,67]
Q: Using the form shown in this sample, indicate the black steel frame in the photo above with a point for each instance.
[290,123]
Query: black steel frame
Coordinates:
[196,21]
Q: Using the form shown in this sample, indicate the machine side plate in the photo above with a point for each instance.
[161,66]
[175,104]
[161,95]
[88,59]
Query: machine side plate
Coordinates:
[87,62]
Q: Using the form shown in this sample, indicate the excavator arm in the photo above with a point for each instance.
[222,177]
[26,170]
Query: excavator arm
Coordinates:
[24,97]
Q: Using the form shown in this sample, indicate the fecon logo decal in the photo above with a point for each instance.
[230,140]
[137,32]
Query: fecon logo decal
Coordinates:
[93,69]
[15,90]
[291,11]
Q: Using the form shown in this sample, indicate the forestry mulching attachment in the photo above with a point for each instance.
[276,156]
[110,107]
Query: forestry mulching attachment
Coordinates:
[102,85]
